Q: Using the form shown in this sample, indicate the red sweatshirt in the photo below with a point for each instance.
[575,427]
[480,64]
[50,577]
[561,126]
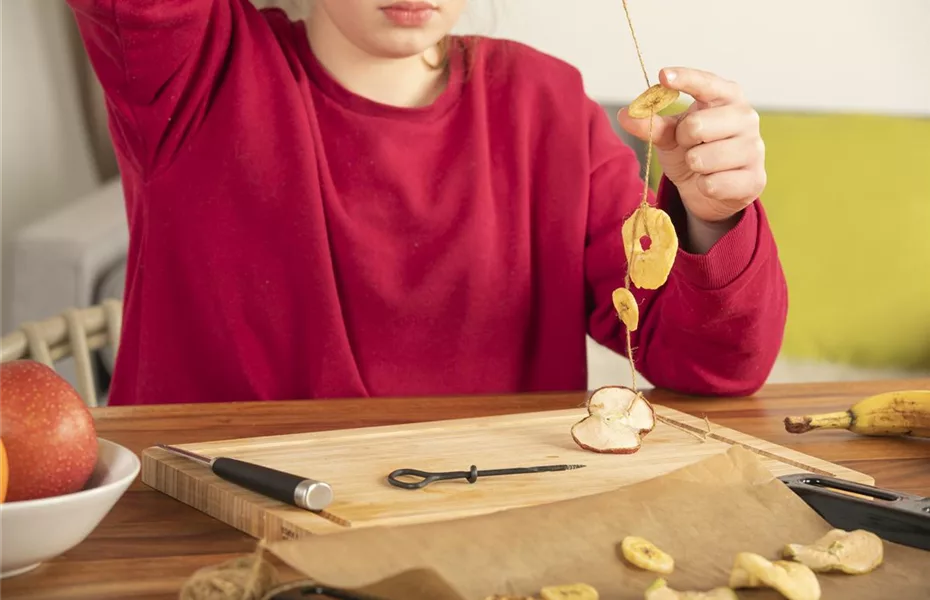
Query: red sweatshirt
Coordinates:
[292,240]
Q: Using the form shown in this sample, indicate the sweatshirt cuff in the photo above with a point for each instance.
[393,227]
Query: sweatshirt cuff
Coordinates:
[727,259]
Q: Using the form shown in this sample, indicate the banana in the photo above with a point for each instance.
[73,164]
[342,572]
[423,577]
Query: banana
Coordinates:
[899,413]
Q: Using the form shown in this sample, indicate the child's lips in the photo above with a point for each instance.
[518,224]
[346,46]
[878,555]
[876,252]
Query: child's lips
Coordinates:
[412,6]
[409,13]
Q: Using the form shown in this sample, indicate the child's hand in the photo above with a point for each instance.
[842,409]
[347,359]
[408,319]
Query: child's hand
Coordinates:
[712,152]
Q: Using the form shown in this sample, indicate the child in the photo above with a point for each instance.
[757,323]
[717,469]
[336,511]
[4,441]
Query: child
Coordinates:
[363,205]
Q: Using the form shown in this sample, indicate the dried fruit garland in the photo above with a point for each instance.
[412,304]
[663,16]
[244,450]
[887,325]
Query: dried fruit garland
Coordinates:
[619,417]
[649,237]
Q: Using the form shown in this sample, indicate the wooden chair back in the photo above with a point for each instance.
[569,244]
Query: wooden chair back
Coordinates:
[74,333]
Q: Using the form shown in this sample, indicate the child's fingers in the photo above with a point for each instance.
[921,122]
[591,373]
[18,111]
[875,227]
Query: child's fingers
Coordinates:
[716,123]
[703,86]
[737,186]
[663,129]
[724,155]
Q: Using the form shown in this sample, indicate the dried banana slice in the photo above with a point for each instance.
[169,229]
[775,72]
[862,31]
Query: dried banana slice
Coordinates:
[652,101]
[645,555]
[626,307]
[575,591]
[851,552]
[792,580]
[649,268]
[659,590]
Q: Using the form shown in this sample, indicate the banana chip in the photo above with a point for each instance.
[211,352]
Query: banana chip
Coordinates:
[575,591]
[626,307]
[652,101]
[649,268]
[645,555]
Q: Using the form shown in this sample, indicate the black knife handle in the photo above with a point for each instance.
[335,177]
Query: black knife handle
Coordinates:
[284,487]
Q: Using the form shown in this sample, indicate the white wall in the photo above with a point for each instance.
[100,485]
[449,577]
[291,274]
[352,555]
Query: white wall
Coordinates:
[46,161]
[836,55]
[850,55]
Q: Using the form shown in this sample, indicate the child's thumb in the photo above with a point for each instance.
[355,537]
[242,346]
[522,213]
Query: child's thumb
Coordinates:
[663,129]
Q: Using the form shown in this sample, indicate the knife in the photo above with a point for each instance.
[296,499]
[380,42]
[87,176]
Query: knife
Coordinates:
[295,490]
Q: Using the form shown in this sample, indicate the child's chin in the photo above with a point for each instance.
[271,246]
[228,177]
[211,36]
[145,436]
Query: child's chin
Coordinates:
[404,43]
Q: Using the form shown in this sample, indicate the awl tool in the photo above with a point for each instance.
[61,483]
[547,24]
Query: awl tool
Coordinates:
[426,478]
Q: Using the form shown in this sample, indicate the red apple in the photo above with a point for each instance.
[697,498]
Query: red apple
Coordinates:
[48,432]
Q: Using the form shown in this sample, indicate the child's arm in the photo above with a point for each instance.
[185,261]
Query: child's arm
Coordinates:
[156,61]
[716,326]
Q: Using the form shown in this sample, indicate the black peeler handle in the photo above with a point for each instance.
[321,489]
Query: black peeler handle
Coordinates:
[894,516]
[320,591]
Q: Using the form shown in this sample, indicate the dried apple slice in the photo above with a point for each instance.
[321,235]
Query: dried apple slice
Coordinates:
[653,100]
[851,552]
[575,591]
[617,420]
[617,403]
[594,434]
[649,268]
[792,580]
[626,307]
[645,555]
[659,590]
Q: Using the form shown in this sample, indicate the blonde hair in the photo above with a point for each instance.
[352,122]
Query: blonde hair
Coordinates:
[442,50]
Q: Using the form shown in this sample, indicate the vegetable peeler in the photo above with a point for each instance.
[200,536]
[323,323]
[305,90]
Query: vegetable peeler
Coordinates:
[320,591]
[893,516]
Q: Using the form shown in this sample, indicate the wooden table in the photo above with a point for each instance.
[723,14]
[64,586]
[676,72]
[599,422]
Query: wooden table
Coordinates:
[150,543]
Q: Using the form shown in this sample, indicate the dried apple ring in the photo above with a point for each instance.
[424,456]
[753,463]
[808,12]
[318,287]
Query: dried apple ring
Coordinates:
[852,552]
[649,267]
[795,581]
[626,307]
[575,591]
[650,102]
[618,419]
[659,590]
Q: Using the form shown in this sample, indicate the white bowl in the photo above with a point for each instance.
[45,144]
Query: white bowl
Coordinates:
[34,531]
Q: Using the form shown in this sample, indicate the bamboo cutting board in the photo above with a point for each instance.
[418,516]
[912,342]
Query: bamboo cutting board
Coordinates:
[356,462]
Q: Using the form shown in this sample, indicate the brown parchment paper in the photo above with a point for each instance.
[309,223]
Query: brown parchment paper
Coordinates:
[703,515]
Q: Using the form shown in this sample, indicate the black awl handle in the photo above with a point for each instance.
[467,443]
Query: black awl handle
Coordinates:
[284,487]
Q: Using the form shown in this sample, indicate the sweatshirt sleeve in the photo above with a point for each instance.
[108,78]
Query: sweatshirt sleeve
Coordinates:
[716,327]
[156,61]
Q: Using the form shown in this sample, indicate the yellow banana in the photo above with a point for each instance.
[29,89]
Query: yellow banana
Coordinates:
[900,413]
